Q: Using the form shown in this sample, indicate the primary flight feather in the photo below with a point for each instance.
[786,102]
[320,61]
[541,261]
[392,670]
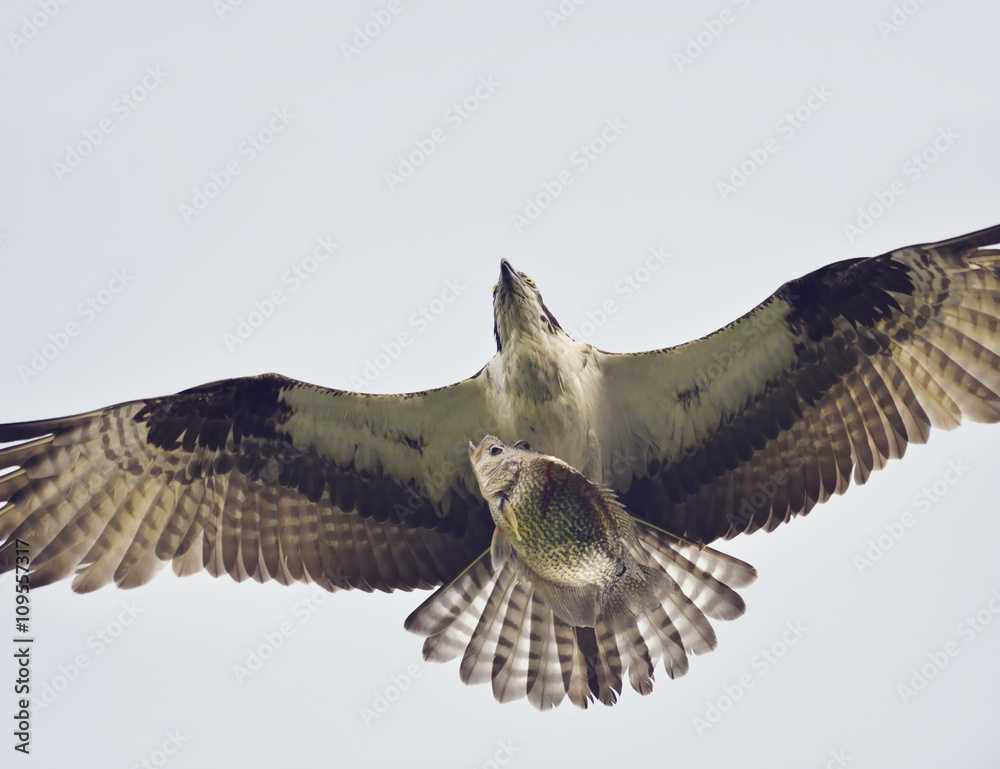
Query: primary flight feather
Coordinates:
[269,478]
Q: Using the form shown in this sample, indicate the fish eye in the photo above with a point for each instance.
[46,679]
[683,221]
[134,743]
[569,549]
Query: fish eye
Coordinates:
[494,450]
[522,445]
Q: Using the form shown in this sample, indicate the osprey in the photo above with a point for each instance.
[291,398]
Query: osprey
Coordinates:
[269,478]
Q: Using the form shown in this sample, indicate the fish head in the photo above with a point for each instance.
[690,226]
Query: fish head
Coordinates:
[496,465]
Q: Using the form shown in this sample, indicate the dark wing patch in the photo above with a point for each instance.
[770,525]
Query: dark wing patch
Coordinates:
[860,291]
[205,416]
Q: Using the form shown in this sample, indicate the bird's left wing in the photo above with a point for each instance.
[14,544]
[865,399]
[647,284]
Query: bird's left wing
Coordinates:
[260,477]
[830,377]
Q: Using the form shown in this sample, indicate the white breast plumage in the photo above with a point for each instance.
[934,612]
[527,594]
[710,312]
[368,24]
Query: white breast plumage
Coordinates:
[546,390]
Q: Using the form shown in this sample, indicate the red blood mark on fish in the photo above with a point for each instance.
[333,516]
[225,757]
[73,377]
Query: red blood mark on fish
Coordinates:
[548,490]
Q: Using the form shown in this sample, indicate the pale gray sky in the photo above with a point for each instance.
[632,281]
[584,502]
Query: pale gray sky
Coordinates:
[119,116]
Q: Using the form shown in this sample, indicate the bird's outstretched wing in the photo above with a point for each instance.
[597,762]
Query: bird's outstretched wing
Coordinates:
[830,377]
[260,477]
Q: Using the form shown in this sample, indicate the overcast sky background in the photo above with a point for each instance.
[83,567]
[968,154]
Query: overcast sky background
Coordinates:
[880,94]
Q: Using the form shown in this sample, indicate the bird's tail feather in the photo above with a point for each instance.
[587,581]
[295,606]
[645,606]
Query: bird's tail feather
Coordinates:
[508,635]
[704,575]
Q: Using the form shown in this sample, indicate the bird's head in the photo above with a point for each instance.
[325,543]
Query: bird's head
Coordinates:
[518,309]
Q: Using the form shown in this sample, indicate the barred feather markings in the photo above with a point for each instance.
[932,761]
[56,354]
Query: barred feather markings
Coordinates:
[508,636]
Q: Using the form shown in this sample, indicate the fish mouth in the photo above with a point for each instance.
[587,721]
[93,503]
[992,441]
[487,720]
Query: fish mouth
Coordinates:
[475,452]
[476,455]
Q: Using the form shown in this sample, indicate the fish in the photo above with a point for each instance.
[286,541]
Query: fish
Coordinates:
[574,592]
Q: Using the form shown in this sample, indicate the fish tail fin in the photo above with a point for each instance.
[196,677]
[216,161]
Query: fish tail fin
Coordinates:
[632,594]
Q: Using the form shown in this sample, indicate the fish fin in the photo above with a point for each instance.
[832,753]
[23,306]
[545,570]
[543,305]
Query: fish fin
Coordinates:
[574,605]
[637,590]
[623,521]
[500,548]
[507,513]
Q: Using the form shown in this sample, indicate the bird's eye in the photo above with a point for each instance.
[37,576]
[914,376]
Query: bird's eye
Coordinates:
[495,287]
[496,450]
[529,281]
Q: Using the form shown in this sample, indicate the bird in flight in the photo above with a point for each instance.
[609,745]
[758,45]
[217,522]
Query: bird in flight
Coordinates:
[270,478]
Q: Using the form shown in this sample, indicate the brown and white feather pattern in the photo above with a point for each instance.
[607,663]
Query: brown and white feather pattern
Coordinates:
[827,380]
[231,478]
[507,635]
[268,478]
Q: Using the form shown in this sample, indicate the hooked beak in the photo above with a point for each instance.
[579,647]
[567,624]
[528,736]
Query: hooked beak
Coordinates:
[509,279]
[511,287]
